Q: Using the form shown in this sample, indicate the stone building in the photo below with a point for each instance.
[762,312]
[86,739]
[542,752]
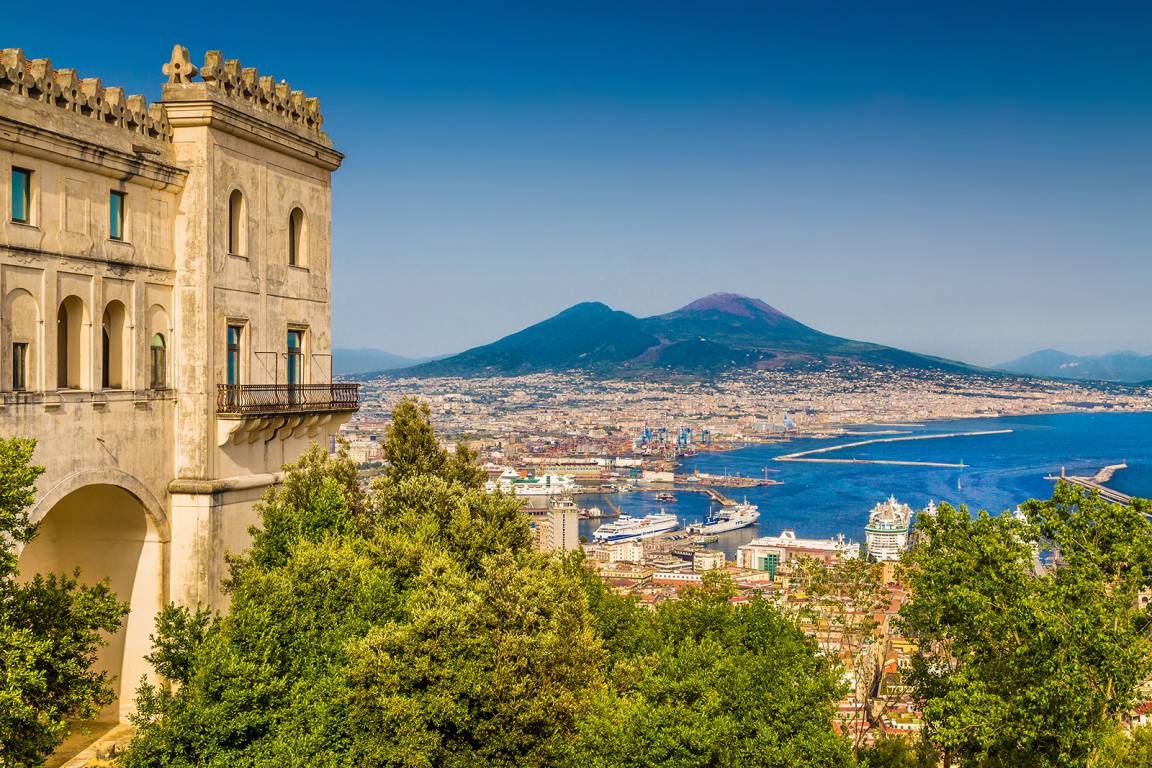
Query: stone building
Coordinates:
[164,319]
[769,553]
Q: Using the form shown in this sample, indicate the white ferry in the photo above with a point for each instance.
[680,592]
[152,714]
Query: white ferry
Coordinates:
[728,519]
[628,528]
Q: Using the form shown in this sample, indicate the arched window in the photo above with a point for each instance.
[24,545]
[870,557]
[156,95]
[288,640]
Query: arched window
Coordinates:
[113,360]
[157,362]
[71,346]
[237,224]
[19,329]
[296,238]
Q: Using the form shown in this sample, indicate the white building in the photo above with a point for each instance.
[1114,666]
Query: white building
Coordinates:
[708,560]
[629,551]
[767,553]
[887,530]
[164,321]
[556,528]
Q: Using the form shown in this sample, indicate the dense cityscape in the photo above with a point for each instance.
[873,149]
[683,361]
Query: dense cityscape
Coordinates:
[581,414]
[550,437]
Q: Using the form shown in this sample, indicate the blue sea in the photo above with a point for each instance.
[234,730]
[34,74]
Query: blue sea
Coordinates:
[1003,470]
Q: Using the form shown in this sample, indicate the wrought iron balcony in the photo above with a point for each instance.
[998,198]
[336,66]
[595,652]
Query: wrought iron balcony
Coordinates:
[286,399]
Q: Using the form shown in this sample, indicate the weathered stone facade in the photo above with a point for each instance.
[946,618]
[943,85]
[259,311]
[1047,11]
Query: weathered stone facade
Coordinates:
[164,319]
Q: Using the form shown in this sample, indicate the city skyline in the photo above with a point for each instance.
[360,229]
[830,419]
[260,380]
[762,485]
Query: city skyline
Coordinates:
[968,182]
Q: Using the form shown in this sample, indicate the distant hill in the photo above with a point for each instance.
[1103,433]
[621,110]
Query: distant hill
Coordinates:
[348,361]
[1123,367]
[713,334]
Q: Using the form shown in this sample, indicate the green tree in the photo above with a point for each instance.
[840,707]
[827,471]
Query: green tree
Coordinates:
[1128,750]
[412,449]
[1022,665]
[491,669]
[51,627]
[425,614]
[701,682]
[897,752]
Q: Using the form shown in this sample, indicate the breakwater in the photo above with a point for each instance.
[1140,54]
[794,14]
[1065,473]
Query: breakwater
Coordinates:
[809,455]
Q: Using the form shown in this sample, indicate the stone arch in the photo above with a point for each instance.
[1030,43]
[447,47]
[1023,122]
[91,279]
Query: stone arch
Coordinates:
[72,326]
[102,476]
[20,325]
[115,347]
[108,532]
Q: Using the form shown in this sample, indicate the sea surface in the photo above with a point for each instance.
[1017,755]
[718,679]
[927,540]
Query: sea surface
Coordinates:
[1003,470]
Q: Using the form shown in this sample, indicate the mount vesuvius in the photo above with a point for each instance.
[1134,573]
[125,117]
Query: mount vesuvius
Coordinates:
[717,333]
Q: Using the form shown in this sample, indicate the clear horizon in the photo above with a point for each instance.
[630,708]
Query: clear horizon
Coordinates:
[969,181]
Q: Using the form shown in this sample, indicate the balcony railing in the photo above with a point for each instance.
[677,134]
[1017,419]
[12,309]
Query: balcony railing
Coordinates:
[261,399]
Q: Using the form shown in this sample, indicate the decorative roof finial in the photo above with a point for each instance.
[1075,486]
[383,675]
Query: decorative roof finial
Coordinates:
[180,69]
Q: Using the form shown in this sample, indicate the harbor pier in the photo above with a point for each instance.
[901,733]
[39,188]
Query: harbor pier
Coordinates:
[1096,483]
[808,456]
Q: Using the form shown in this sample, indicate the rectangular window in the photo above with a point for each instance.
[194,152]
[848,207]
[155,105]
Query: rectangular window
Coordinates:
[234,334]
[116,215]
[19,366]
[295,357]
[295,364]
[21,195]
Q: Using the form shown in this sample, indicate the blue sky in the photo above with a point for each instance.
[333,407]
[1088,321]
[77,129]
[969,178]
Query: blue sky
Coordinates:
[966,179]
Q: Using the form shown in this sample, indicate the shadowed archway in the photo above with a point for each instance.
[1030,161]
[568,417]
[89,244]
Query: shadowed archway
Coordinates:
[106,532]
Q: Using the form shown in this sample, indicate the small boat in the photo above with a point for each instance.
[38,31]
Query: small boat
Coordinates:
[665,498]
[595,513]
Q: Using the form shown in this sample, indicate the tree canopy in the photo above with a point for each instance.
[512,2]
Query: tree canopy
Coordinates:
[413,626]
[1032,637]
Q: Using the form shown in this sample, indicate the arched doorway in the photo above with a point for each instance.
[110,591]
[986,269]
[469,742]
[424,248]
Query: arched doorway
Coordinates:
[107,532]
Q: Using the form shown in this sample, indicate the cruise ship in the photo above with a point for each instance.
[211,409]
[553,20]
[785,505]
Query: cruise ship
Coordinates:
[887,529]
[627,528]
[728,519]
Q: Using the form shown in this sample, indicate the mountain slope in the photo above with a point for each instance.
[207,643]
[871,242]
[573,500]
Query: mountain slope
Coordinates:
[1123,367]
[589,335]
[758,335]
[347,361]
[713,334]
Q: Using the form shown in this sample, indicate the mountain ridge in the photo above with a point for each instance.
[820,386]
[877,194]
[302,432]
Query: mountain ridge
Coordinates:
[350,361]
[1124,367]
[715,333]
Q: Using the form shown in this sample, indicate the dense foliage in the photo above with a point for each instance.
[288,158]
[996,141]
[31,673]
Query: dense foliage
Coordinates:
[1022,662]
[50,629]
[413,626]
